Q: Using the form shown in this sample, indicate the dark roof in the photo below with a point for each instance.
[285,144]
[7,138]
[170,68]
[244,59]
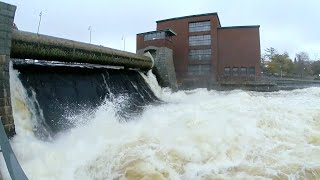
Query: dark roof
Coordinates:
[169,31]
[191,16]
[237,27]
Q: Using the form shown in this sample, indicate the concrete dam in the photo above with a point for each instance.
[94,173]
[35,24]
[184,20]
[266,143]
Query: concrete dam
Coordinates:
[90,73]
[64,82]
[78,111]
[62,78]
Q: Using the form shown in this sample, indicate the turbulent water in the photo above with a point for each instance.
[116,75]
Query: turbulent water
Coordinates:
[60,93]
[197,134]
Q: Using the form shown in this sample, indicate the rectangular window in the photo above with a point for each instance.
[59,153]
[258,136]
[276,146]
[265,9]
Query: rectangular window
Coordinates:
[199,69]
[200,40]
[154,35]
[200,54]
[252,71]
[199,26]
[227,71]
[243,71]
[235,71]
[146,37]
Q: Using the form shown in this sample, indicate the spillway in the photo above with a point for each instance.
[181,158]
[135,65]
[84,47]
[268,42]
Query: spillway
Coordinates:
[55,92]
[115,124]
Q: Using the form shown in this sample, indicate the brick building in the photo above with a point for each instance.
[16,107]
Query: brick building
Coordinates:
[204,52]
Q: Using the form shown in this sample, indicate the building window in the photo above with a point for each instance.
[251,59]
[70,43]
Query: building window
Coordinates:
[235,71]
[200,40]
[199,26]
[199,69]
[243,71]
[153,36]
[252,71]
[227,71]
[200,55]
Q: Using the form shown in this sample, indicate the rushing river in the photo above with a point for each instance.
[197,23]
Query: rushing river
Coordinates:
[196,134]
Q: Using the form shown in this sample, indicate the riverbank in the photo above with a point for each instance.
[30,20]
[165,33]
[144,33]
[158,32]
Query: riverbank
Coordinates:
[261,85]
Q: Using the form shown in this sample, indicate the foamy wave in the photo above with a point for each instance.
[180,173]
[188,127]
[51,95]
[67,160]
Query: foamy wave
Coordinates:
[219,135]
[198,134]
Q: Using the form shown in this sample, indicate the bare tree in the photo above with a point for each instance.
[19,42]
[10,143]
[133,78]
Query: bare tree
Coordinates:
[302,57]
[269,53]
[302,63]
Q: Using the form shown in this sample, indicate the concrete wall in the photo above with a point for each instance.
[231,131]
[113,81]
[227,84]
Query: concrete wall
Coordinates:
[7,13]
[163,65]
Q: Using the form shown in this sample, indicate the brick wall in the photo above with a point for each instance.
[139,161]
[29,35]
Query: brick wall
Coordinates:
[7,13]
[239,47]
[181,46]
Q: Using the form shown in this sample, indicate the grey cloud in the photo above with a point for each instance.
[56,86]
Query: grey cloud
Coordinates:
[287,25]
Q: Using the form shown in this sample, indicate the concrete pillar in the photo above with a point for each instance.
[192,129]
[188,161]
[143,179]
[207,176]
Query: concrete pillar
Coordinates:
[163,65]
[7,13]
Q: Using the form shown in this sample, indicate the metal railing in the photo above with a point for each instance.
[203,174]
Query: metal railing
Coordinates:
[13,166]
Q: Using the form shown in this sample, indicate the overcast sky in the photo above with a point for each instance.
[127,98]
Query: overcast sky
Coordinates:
[287,25]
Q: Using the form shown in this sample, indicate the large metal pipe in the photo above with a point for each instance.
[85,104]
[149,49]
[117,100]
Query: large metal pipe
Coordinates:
[26,45]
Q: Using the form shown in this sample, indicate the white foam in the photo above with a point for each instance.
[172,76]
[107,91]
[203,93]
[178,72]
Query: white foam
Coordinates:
[199,134]
[151,79]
